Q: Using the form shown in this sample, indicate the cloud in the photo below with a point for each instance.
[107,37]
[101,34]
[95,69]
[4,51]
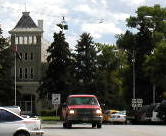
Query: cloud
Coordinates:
[98,30]
[81,15]
[134,2]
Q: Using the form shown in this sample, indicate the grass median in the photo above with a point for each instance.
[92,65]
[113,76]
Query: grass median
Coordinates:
[50,118]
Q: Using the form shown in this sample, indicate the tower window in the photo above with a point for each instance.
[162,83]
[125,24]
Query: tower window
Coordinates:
[25,40]
[20,40]
[30,40]
[20,73]
[26,73]
[34,40]
[31,55]
[16,40]
[20,56]
[26,56]
[31,75]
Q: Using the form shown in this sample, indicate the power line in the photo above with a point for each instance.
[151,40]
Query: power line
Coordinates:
[87,20]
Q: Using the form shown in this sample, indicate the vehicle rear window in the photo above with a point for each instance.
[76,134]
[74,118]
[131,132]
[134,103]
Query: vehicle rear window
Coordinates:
[6,116]
[82,101]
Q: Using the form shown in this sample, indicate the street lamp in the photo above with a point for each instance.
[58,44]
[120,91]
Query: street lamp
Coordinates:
[133,61]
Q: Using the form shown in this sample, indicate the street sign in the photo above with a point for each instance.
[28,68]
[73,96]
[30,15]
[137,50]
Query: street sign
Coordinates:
[136,103]
[56,99]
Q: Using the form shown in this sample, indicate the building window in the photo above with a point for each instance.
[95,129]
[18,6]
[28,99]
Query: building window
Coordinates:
[34,40]
[26,73]
[20,73]
[30,40]
[16,40]
[26,56]
[20,40]
[25,40]
[21,56]
[31,55]
[31,75]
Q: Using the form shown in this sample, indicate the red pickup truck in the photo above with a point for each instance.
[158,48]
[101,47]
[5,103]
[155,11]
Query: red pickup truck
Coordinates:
[82,109]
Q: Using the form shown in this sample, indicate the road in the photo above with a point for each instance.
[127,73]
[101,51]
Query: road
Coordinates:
[106,130]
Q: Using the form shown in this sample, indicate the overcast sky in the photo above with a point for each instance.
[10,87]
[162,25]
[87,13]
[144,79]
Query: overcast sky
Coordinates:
[102,18]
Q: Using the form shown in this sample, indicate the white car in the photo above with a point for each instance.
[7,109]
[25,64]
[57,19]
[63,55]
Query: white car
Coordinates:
[12,124]
[119,117]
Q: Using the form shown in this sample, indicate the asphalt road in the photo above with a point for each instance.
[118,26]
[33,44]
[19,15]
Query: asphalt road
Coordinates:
[106,130]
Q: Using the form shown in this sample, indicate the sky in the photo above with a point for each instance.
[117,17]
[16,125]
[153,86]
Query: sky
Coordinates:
[103,19]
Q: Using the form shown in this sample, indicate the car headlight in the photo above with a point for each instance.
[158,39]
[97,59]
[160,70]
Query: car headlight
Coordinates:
[71,112]
[98,111]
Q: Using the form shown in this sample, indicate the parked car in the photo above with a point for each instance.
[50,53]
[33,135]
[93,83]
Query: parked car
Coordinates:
[82,109]
[108,114]
[153,113]
[119,117]
[15,109]
[12,124]
[141,115]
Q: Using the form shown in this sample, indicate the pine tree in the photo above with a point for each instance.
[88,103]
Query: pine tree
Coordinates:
[56,80]
[6,82]
[85,63]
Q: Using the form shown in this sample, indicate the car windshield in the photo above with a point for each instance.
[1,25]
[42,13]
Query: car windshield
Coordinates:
[82,101]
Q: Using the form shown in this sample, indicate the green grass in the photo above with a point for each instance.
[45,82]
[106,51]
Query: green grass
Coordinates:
[49,118]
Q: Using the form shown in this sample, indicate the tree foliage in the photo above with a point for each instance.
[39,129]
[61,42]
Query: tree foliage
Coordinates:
[150,26]
[59,61]
[6,82]
[85,66]
[108,79]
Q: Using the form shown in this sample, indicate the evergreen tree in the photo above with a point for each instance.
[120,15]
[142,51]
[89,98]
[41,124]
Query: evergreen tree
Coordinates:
[85,63]
[57,75]
[6,82]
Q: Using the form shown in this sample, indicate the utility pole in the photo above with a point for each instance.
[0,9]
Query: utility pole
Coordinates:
[15,71]
[133,74]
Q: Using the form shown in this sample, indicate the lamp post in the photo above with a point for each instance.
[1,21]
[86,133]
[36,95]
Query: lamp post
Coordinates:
[15,71]
[15,74]
[133,61]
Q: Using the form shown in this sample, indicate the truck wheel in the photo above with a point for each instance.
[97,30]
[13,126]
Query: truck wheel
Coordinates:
[69,125]
[99,125]
[64,125]
[93,125]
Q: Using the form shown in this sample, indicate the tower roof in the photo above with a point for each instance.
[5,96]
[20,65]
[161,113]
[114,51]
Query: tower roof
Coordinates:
[26,21]
[26,25]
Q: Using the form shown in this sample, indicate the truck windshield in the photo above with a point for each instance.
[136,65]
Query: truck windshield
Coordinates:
[82,101]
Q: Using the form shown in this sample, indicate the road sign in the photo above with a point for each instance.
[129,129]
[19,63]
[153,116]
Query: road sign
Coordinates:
[135,103]
[56,99]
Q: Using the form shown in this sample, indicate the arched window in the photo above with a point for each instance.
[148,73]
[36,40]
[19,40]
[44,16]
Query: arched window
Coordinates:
[20,73]
[20,40]
[25,40]
[34,40]
[21,56]
[16,40]
[30,40]
[31,74]
[31,55]
[26,73]
[26,56]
